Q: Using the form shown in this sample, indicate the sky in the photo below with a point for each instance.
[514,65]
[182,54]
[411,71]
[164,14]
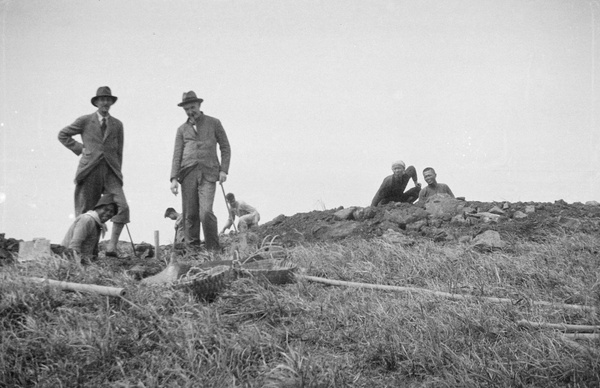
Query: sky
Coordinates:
[318,98]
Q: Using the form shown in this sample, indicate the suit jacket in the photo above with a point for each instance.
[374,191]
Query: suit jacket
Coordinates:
[200,149]
[94,146]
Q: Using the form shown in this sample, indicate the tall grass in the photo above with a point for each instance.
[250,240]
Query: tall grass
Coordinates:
[312,335]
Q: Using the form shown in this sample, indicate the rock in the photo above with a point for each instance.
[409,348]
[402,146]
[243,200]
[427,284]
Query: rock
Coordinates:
[406,215]
[464,239]
[278,220]
[569,223]
[361,214]
[459,219]
[519,215]
[36,249]
[335,231]
[530,209]
[496,210]
[395,237]
[344,214]
[505,206]
[592,203]
[443,206]
[488,241]
[416,226]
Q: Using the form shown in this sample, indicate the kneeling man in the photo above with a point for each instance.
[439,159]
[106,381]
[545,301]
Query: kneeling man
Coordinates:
[392,188]
[84,234]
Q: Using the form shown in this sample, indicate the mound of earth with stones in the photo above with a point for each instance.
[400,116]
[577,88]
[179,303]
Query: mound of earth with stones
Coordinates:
[489,225]
[440,219]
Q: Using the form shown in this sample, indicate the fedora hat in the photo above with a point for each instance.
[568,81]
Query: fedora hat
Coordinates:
[103,91]
[189,97]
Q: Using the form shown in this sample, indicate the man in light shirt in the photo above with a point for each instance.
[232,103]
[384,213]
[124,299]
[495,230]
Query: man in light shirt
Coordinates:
[248,216]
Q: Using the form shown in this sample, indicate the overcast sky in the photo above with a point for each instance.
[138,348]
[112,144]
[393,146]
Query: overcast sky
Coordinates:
[318,98]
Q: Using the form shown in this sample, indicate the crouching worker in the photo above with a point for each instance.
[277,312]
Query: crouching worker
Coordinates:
[393,186]
[247,214]
[84,234]
[178,218]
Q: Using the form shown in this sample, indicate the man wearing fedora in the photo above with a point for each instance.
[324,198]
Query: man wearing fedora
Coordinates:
[99,169]
[196,166]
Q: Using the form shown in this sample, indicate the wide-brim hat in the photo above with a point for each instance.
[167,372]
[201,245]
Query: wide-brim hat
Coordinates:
[103,91]
[189,97]
[107,199]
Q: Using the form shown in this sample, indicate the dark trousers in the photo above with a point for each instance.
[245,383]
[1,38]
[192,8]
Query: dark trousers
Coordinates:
[409,196]
[101,180]
[197,196]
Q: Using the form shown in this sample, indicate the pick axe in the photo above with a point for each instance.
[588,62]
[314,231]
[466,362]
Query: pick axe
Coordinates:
[227,204]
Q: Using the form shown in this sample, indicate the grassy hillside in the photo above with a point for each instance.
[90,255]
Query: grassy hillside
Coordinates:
[308,334]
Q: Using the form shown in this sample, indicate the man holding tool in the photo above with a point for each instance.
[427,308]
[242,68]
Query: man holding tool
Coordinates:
[196,167]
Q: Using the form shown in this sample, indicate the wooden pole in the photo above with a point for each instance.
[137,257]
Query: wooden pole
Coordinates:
[156,245]
[89,288]
[440,293]
[559,326]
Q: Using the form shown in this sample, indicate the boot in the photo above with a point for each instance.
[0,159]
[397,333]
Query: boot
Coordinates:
[111,249]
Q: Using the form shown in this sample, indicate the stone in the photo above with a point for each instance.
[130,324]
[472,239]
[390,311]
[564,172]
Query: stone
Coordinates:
[36,249]
[443,206]
[592,203]
[395,237]
[361,214]
[416,226]
[344,214]
[404,216]
[459,219]
[505,206]
[569,223]
[335,231]
[530,209]
[519,215]
[488,241]
[496,210]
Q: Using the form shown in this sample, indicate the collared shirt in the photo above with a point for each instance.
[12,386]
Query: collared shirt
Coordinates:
[100,117]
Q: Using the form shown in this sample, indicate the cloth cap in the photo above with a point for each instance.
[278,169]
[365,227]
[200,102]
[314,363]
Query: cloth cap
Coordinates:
[398,163]
[106,199]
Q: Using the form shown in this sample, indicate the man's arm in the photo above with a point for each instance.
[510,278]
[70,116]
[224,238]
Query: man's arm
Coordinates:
[224,147]
[381,192]
[65,136]
[176,162]
[412,173]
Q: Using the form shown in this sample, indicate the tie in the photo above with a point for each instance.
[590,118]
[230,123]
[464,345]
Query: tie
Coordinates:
[103,126]
[193,124]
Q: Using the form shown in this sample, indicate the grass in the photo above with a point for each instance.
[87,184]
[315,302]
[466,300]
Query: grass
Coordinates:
[313,335]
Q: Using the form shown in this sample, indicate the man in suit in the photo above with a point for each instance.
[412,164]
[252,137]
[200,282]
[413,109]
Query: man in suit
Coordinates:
[196,166]
[99,169]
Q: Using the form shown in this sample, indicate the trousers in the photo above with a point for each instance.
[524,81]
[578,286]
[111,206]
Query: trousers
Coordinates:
[197,196]
[101,180]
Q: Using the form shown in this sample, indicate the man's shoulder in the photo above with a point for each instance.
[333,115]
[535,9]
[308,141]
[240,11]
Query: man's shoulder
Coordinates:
[113,118]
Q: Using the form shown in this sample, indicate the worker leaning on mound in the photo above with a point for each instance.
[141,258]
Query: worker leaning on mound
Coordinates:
[84,234]
[248,216]
[99,169]
[392,188]
[433,187]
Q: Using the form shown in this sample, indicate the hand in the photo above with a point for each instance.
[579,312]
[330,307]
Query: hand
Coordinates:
[222,177]
[174,187]
[417,184]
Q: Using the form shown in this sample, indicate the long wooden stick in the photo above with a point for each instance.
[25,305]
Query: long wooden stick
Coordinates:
[439,293]
[89,288]
[559,326]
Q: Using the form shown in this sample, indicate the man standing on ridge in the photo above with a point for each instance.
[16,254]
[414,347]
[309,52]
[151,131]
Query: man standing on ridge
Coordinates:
[99,170]
[392,187]
[196,166]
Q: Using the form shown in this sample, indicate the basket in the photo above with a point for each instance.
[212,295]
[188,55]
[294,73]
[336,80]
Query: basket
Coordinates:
[274,270]
[205,283]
